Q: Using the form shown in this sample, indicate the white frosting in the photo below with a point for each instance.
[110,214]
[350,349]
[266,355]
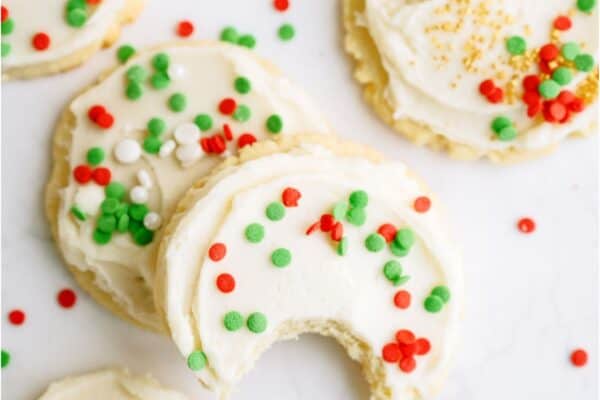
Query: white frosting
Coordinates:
[319,284]
[48,16]
[113,384]
[419,85]
[123,268]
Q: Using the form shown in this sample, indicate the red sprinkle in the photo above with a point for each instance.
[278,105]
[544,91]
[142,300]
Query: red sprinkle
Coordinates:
[486,87]
[407,364]
[66,298]
[101,176]
[227,132]
[496,95]
[217,251]
[544,67]
[534,109]
[4,13]
[281,5]
[531,83]
[557,110]
[204,144]
[404,336]
[422,346]
[312,228]
[93,2]
[579,357]
[217,144]
[531,98]
[225,283]
[246,139]
[422,204]
[402,299]
[576,105]
[408,349]
[105,121]
[566,97]
[337,232]
[16,317]
[327,222]
[526,225]
[95,111]
[40,41]
[562,23]
[290,197]
[391,352]
[388,231]
[548,52]
[227,106]
[185,28]
[82,174]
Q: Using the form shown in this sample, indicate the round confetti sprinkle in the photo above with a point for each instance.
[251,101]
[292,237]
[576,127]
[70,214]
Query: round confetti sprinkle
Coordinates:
[101,237]
[143,236]
[290,197]
[105,121]
[374,242]
[229,34]
[242,113]
[392,270]
[136,73]
[197,360]
[506,134]
[5,13]
[185,28]
[95,111]
[286,32]
[570,50]
[342,247]
[402,299]
[422,204]
[405,238]
[422,346]
[5,358]
[16,317]
[531,83]
[548,52]
[388,231]
[5,49]
[586,5]
[516,45]
[562,76]
[579,357]
[405,336]
[233,321]
[101,176]
[397,250]
[8,26]
[95,156]
[217,251]
[433,304]
[152,145]
[391,353]
[442,292]
[125,52]
[109,205]
[254,233]
[203,121]
[133,91]
[246,139]
[225,283]
[227,106]
[40,41]
[161,62]
[156,126]
[160,80]
[486,87]
[281,257]
[500,123]
[339,210]
[76,17]
[281,5]
[562,23]
[407,364]
[247,41]
[549,89]
[66,298]
[274,123]
[359,198]
[275,211]
[242,85]
[356,216]
[257,322]
[106,223]
[177,102]
[584,62]
[526,225]
[82,174]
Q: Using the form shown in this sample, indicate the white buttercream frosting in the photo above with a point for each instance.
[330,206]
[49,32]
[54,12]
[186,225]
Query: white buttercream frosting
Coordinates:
[318,284]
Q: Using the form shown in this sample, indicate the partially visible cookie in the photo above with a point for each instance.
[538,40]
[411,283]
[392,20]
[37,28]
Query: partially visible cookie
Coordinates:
[504,80]
[43,37]
[313,234]
[128,147]
[110,384]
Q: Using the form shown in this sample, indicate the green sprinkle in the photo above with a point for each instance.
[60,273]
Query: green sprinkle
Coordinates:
[203,121]
[507,134]
[570,50]
[134,226]
[229,34]
[254,233]
[339,210]
[247,41]
[5,358]
[242,85]
[177,102]
[392,271]
[197,360]
[95,155]
[500,123]
[125,52]
[374,242]
[156,126]
[275,211]
[138,211]
[584,62]
[397,250]
[242,113]
[516,45]
[160,62]
[5,49]
[356,216]
[143,236]
[122,209]
[433,304]
[101,237]
[405,238]
[586,5]
[342,247]
[402,280]
[76,17]
[123,223]
[73,4]
[281,257]
[442,292]
[109,205]
[152,145]
[136,73]
[133,91]
[160,80]
[562,76]
[78,213]
[274,123]
[549,89]
[8,26]
[257,322]
[115,190]
[106,223]
[233,321]
[359,198]
[286,32]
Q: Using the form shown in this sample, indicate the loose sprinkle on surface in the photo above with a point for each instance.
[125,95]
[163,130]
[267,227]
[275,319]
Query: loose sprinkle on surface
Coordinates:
[16,317]
[579,358]
[66,298]
[185,28]
[526,225]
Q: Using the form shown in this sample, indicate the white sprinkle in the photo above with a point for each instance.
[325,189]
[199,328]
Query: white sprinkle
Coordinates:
[187,133]
[152,221]
[138,194]
[167,148]
[89,198]
[128,151]
[188,153]
[144,178]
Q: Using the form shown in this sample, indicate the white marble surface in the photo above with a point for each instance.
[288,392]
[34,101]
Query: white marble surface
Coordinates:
[531,299]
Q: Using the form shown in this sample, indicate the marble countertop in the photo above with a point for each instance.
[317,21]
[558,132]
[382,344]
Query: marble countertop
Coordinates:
[531,299]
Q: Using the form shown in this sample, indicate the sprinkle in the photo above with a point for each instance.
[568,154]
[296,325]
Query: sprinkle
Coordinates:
[392,270]
[40,41]
[254,233]
[422,346]
[579,358]
[570,50]
[286,32]
[136,73]
[5,49]
[5,13]
[557,111]
[152,145]
[356,216]
[500,123]
[391,353]
[8,26]
[95,111]
[516,45]
[359,199]
[247,41]
[548,52]
[242,113]
[374,242]
[225,283]
[407,364]
[125,52]
[203,121]
[281,5]
[177,102]
[433,304]
[281,257]
[152,221]
[422,204]
[16,317]
[217,251]
[326,222]
[442,292]
[160,80]
[257,322]
[138,194]
[405,238]
[227,132]
[531,83]
[339,210]
[5,358]
[586,5]
[229,34]
[197,360]
[404,336]
[402,299]
[101,176]
[115,190]
[290,197]
[185,28]
[526,225]
[584,62]
[109,205]
[128,151]
[549,89]
[78,213]
[233,321]
[388,231]
[82,174]
[133,91]
[227,106]
[312,228]
[397,250]
[161,61]
[486,87]
[337,232]
[496,95]
[562,76]
[187,133]
[106,223]
[342,247]
[242,85]
[76,17]
[562,23]
[143,236]
[275,211]
[246,139]
[66,298]
[274,123]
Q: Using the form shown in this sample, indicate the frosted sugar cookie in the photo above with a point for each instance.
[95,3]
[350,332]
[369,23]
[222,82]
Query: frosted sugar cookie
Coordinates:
[44,37]
[504,79]
[322,236]
[110,384]
[128,147]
